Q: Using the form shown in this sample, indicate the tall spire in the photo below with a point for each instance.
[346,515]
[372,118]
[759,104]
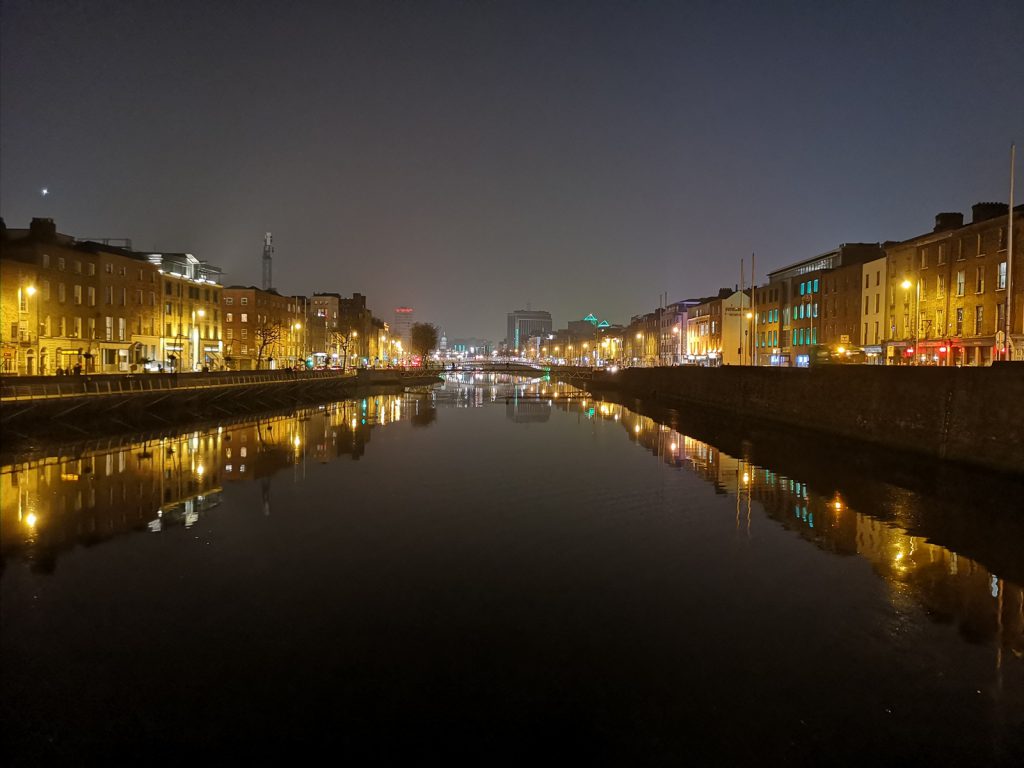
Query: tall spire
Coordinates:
[268,264]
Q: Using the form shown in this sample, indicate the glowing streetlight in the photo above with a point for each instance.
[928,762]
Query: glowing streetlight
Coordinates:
[905,285]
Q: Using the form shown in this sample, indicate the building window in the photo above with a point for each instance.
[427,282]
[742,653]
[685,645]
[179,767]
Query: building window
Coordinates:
[77,293]
[121,329]
[1002,238]
[60,263]
[245,333]
[878,299]
[940,322]
[961,279]
[959,321]
[942,254]
[924,259]
[229,334]
[1000,317]
[979,319]
[46,260]
[227,317]
[108,268]
[228,300]
[244,300]
[940,286]
[108,328]
[244,317]
[60,293]
[1001,276]
[979,280]
[90,269]
[91,294]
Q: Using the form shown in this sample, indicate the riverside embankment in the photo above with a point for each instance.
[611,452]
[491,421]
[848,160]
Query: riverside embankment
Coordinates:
[43,407]
[967,415]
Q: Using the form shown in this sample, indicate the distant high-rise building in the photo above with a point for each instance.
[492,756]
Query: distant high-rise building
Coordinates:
[524,323]
[402,327]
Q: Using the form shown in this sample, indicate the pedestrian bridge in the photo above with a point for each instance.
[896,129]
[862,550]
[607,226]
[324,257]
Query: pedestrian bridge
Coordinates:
[492,366]
[569,373]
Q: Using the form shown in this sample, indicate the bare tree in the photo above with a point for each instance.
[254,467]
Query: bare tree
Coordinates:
[424,339]
[341,341]
[268,334]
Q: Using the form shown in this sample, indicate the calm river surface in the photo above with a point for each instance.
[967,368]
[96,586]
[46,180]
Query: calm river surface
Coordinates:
[503,571]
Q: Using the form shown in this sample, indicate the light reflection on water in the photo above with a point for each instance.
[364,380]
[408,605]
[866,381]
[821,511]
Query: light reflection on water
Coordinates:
[51,505]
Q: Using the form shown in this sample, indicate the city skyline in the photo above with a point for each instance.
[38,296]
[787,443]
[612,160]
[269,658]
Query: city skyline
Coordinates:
[462,158]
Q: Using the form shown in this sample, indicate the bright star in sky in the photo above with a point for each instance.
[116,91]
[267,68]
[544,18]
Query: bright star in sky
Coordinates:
[45,191]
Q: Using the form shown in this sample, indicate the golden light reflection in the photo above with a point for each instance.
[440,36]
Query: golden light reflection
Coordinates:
[31,519]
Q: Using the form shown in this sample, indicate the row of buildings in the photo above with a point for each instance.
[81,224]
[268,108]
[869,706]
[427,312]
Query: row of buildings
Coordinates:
[86,306]
[950,296]
[939,298]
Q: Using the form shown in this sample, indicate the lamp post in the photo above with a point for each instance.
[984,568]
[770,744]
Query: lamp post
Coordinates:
[26,292]
[194,339]
[905,285]
[640,343]
[750,337]
[300,353]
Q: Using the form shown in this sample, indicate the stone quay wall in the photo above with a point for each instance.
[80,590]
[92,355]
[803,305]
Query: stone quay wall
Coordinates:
[967,415]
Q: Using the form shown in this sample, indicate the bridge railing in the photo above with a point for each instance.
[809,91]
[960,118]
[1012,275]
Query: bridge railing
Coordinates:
[40,387]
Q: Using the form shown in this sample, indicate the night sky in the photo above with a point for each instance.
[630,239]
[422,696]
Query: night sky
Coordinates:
[466,158]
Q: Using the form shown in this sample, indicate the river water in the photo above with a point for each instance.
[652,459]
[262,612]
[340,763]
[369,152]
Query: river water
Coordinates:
[502,570]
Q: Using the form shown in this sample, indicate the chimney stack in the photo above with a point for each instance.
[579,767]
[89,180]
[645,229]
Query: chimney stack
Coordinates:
[950,220]
[986,211]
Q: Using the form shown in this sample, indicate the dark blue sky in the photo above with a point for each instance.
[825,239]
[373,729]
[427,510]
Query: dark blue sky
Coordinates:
[469,157]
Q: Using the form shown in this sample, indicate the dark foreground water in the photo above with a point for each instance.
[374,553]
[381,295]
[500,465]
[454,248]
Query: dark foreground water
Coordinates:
[498,573]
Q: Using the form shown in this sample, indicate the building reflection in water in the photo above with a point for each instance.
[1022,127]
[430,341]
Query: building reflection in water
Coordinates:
[951,588]
[50,505]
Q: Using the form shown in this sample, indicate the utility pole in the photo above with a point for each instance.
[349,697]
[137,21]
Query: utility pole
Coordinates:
[753,308]
[741,313]
[268,264]
[1007,344]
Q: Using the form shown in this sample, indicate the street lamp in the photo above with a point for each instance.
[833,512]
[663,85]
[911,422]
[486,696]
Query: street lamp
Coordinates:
[678,333]
[297,357]
[750,337]
[639,338]
[25,293]
[905,285]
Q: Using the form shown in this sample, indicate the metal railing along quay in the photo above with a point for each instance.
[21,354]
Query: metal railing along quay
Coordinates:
[51,387]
